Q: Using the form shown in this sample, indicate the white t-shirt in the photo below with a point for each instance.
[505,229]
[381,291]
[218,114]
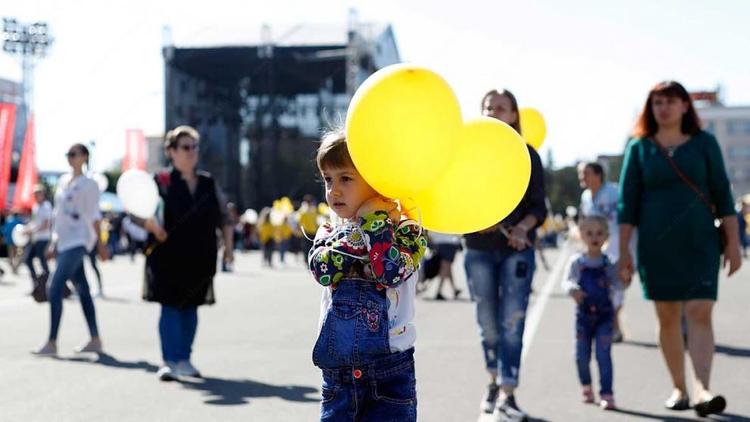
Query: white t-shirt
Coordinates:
[41,214]
[76,209]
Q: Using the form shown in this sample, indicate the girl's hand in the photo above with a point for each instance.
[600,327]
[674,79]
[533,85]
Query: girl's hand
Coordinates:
[379,203]
[625,268]
[578,296]
[50,252]
[518,238]
[732,258]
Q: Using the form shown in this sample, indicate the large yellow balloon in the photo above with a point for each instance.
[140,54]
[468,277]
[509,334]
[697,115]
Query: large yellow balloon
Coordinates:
[485,181]
[402,128]
[533,128]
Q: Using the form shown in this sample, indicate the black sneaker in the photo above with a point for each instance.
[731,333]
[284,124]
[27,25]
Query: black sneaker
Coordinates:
[508,411]
[488,404]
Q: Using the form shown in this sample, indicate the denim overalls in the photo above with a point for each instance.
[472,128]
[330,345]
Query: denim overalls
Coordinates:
[362,379]
[594,322]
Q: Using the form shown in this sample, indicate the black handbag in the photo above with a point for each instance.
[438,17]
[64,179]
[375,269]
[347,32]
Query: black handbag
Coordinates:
[40,289]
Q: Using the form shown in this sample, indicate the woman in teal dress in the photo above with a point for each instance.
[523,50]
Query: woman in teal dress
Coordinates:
[678,246]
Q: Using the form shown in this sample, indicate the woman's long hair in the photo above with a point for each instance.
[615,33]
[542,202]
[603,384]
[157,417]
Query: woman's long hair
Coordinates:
[646,124]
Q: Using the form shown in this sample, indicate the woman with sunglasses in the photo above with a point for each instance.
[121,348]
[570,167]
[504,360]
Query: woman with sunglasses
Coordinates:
[181,258]
[75,226]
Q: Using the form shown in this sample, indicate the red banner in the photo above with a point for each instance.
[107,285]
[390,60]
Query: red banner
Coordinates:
[7,126]
[27,173]
[135,150]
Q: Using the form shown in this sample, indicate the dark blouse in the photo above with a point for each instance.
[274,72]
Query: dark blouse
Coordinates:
[533,203]
[182,268]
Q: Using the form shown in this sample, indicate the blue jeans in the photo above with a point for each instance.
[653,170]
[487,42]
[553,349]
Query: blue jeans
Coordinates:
[384,390]
[597,327]
[500,284]
[70,267]
[362,379]
[36,250]
[177,328]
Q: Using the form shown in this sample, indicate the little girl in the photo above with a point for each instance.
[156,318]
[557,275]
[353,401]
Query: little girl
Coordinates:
[367,260]
[591,281]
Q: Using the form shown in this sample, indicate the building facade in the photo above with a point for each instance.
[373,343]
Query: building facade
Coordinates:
[731,126]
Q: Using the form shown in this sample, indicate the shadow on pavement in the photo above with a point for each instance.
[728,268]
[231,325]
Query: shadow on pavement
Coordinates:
[236,392]
[105,359]
[654,416]
[720,348]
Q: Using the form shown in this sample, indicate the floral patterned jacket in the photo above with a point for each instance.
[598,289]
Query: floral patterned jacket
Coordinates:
[372,248]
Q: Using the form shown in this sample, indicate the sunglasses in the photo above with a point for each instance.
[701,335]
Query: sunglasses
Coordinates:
[188,148]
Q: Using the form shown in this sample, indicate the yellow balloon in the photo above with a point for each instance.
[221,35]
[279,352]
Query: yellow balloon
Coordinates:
[323,208]
[533,128]
[486,179]
[402,127]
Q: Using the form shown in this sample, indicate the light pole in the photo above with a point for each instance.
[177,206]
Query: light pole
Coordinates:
[30,41]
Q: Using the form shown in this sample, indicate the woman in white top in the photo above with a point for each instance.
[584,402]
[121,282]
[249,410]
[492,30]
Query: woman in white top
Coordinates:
[40,231]
[75,229]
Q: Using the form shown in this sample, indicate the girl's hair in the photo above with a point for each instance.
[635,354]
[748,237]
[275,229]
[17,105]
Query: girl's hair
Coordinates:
[595,219]
[170,140]
[596,168]
[646,124]
[83,149]
[332,152]
[513,102]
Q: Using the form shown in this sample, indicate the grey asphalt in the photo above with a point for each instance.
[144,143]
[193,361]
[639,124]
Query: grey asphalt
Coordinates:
[254,349]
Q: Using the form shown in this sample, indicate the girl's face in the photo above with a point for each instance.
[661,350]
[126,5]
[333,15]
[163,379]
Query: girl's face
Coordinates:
[76,157]
[501,108]
[184,155]
[668,111]
[346,190]
[593,234]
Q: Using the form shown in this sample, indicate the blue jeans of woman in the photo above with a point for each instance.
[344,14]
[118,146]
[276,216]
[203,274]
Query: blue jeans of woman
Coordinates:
[70,267]
[36,250]
[500,284]
[362,379]
[177,328]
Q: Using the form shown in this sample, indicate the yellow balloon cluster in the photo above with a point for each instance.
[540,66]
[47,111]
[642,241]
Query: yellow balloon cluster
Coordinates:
[533,128]
[406,137]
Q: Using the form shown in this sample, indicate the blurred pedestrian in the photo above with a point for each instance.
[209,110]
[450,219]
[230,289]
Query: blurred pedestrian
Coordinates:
[742,217]
[76,227]
[15,252]
[266,236]
[446,246]
[500,266]
[40,230]
[180,268]
[673,186]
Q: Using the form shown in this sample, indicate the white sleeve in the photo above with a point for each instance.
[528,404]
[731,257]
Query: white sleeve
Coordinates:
[572,272]
[92,201]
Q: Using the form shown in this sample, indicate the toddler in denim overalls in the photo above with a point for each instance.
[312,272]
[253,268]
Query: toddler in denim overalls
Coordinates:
[367,260]
[591,280]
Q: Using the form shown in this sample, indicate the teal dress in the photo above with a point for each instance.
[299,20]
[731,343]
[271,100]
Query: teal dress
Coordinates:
[678,244]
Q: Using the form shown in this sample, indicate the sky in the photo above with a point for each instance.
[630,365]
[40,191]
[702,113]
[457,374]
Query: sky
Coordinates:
[585,65]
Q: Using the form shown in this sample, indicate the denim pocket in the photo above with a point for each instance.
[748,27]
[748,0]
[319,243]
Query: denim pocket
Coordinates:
[345,309]
[328,394]
[398,389]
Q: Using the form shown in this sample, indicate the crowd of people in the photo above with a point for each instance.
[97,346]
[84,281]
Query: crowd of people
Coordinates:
[367,256]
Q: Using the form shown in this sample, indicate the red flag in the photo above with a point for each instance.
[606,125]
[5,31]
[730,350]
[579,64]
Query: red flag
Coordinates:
[7,126]
[135,150]
[27,174]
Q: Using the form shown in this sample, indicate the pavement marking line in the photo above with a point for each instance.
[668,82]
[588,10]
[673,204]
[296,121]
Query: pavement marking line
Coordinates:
[534,316]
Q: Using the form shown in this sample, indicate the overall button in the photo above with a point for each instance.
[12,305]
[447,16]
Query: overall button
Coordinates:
[357,373]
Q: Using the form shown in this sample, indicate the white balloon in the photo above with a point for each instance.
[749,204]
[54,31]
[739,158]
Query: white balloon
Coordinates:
[19,238]
[101,181]
[138,193]
[250,216]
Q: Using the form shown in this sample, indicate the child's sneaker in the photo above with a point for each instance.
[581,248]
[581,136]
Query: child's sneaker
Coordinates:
[488,404]
[588,394]
[607,402]
[508,411]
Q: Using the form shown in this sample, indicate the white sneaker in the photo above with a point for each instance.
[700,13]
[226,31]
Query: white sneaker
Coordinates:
[186,369]
[168,372]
